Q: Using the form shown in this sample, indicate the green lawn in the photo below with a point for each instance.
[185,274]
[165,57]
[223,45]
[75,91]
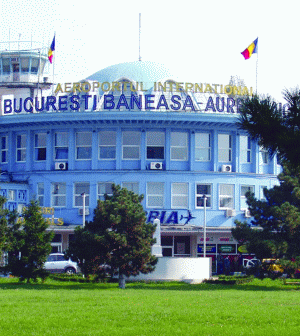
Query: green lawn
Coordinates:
[64,308]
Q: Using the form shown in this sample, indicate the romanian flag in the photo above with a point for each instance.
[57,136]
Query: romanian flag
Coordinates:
[51,49]
[252,49]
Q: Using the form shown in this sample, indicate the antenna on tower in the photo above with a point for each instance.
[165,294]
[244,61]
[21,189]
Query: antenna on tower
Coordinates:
[140,37]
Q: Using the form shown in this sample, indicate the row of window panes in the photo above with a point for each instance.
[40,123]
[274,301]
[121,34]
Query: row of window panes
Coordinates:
[131,142]
[155,194]
[24,65]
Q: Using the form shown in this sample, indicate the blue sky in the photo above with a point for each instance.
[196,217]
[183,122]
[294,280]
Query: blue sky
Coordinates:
[199,41]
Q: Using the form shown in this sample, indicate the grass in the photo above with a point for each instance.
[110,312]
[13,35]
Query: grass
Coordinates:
[262,307]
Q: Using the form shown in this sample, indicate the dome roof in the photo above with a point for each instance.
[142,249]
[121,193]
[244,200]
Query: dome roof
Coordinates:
[146,72]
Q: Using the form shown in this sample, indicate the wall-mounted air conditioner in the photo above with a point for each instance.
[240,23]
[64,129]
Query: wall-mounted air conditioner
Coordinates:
[230,213]
[61,165]
[156,165]
[46,79]
[226,168]
[80,211]
[247,213]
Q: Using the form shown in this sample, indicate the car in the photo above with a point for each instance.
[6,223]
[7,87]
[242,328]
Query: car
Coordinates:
[57,263]
[252,263]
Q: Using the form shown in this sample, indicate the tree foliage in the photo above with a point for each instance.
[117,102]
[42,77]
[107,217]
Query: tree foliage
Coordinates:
[274,230]
[29,244]
[118,236]
[275,130]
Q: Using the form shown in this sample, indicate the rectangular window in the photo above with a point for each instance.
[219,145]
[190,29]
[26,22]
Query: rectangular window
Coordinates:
[11,195]
[155,194]
[245,149]
[261,193]
[34,65]
[21,147]
[201,190]
[264,155]
[179,146]
[202,147]
[40,193]
[84,146]
[226,196]
[24,64]
[104,188]
[61,144]
[40,140]
[6,65]
[131,143]
[155,145]
[131,186]
[58,194]
[107,145]
[79,189]
[180,196]
[244,190]
[224,147]
[4,149]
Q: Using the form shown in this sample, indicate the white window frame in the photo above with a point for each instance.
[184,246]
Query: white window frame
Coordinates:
[222,148]
[78,197]
[132,186]
[245,151]
[200,195]
[107,145]
[37,147]
[199,146]
[264,155]
[226,196]
[21,149]
[180,147]
[100,196]
[58,194]
[131,146]
[184,196]
[58,146]
[40,195]
[243,196]
[83,146]
[4,151]
[162,195]
[151,137]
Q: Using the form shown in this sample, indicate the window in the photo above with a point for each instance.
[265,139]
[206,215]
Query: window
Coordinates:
[58,194]
[104,188]
[244,190]
[155,194]
[226,196]
[245,149]
[79,189]
[84,146]
[179,146]
[131,145]
[40,193]
[261,193]
[155,145]
[25,64]
[264,155]
[6,65]
[201,190]
[180,195]
[4,149]
[21,147]
[107,145]
[61,146]
[224,143]
[40,146]
[34,65]
[202,147]
[11,195]
[131,186]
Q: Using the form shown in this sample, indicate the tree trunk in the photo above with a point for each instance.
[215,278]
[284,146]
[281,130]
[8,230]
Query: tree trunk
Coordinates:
[122,281]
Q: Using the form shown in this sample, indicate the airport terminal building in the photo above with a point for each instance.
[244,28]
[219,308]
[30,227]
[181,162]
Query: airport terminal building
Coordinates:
[134,125]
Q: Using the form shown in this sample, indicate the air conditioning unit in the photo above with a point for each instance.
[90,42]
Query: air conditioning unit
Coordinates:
[247,213]
[61,165]
[80,211]
[156,165]
[230,213]
[226,168]
[46,79]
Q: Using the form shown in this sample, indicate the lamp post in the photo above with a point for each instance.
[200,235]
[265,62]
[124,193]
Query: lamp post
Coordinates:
[83,208]
[204,227]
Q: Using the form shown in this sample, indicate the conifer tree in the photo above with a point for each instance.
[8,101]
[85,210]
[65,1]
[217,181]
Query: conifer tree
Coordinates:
[29,244]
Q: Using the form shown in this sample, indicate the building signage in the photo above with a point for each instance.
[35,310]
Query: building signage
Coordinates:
[170,217]
[229,248]
[210,248]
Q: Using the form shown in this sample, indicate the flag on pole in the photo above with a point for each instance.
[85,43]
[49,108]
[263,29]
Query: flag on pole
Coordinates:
[252,49]
[51,49]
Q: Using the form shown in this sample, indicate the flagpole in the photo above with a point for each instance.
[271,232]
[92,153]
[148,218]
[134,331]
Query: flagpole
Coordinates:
[54,56]
[256,70]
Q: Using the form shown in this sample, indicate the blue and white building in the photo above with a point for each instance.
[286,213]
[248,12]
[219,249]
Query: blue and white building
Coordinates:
[134,125]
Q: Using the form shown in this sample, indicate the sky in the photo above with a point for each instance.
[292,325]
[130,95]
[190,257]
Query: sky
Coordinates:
[198,41]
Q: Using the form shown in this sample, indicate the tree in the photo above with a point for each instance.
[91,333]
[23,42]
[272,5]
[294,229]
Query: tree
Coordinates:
[119,236]
[29,244]
[275,130]
[274,231]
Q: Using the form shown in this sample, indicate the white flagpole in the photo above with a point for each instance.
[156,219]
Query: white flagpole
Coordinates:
[54,57]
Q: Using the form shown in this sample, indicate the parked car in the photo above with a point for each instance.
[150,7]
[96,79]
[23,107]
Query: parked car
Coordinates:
[57,263]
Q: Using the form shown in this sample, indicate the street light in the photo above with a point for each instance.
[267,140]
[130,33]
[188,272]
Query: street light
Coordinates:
[204,227]
[83,208]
